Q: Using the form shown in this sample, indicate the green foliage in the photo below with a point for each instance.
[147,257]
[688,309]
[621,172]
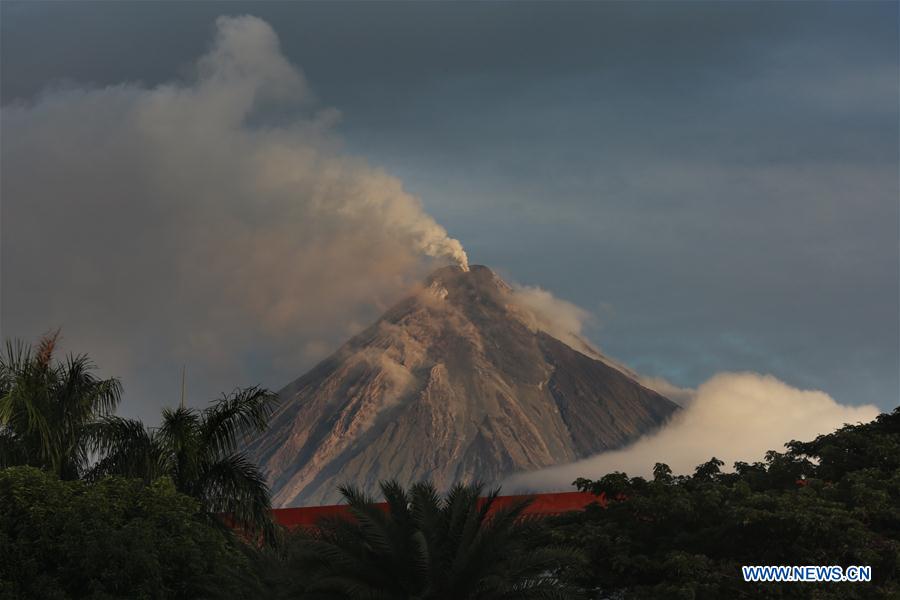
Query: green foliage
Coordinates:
[428,547]
[46,407]
[832,501]
[198,451]
[114,538]
[153,535]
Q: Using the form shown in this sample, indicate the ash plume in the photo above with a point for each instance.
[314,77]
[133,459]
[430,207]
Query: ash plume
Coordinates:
[222,206]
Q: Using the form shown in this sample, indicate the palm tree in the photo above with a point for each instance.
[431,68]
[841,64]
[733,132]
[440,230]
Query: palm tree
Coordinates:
[46,405]
[199,451]
[422,546]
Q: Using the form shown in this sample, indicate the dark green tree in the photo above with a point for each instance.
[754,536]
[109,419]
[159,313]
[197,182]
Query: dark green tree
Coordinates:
[832,501]
[425,546]
[198,450]
[46,407]
[114,538]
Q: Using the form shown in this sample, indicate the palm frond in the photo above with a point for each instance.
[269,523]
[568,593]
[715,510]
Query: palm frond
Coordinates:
[83,394]
[180,439]
[234,485]
[398,502]
[26,410]
[425,546]
[13,362]
[243,411]
[370,519]
[124,447]
[47,404]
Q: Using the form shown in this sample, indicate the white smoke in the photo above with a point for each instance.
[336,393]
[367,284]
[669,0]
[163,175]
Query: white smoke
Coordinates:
[733,416]
[542,311]
[212,216]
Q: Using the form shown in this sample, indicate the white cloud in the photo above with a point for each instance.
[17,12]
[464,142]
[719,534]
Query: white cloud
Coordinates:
[733,416]
[680,395]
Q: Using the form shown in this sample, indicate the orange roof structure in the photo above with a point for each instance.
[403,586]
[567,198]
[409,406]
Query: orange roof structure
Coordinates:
[542,504]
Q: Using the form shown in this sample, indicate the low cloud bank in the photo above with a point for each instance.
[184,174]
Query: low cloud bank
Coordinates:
[733,416]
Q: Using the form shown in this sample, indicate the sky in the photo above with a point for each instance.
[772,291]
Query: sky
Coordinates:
[715,183]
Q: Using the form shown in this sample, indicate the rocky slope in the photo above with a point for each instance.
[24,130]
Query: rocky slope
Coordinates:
[454,383]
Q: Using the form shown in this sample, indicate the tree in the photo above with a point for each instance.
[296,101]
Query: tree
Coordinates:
[424,546]
[46,406]
[831,501]
[114,538]
[198,450]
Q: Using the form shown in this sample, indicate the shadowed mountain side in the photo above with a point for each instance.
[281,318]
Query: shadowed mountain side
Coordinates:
[451,384]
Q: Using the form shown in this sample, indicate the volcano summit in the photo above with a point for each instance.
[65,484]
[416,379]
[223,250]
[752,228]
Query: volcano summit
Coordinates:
[456,382]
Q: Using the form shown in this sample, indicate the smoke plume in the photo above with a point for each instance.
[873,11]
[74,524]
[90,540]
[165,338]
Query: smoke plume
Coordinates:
[733,416]
[221,206]
[542,311]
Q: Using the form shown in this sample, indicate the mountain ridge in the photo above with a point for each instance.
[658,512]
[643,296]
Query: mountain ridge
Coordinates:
[453,383]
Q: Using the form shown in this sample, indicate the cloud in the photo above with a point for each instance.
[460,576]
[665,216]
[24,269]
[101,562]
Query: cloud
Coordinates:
[214,216]
[733,416]
[542,311]
[680,395]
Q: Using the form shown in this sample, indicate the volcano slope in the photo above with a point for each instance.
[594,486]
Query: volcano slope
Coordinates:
[454,383]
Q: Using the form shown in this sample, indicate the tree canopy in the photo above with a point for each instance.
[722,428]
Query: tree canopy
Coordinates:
[47,406]
[114,538]
[832,501]
[198,451]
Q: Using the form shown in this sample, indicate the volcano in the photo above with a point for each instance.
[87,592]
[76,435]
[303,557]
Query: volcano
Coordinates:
[456,382]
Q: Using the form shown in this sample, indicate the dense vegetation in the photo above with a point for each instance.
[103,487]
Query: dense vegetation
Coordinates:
[55,414]
[197,451]
[96,506]
[831,501]
[116,538]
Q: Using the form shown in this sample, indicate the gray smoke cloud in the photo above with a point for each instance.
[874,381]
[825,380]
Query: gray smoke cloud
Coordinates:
[199,219]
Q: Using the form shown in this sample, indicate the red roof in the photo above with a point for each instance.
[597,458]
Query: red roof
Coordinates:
[543,504]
